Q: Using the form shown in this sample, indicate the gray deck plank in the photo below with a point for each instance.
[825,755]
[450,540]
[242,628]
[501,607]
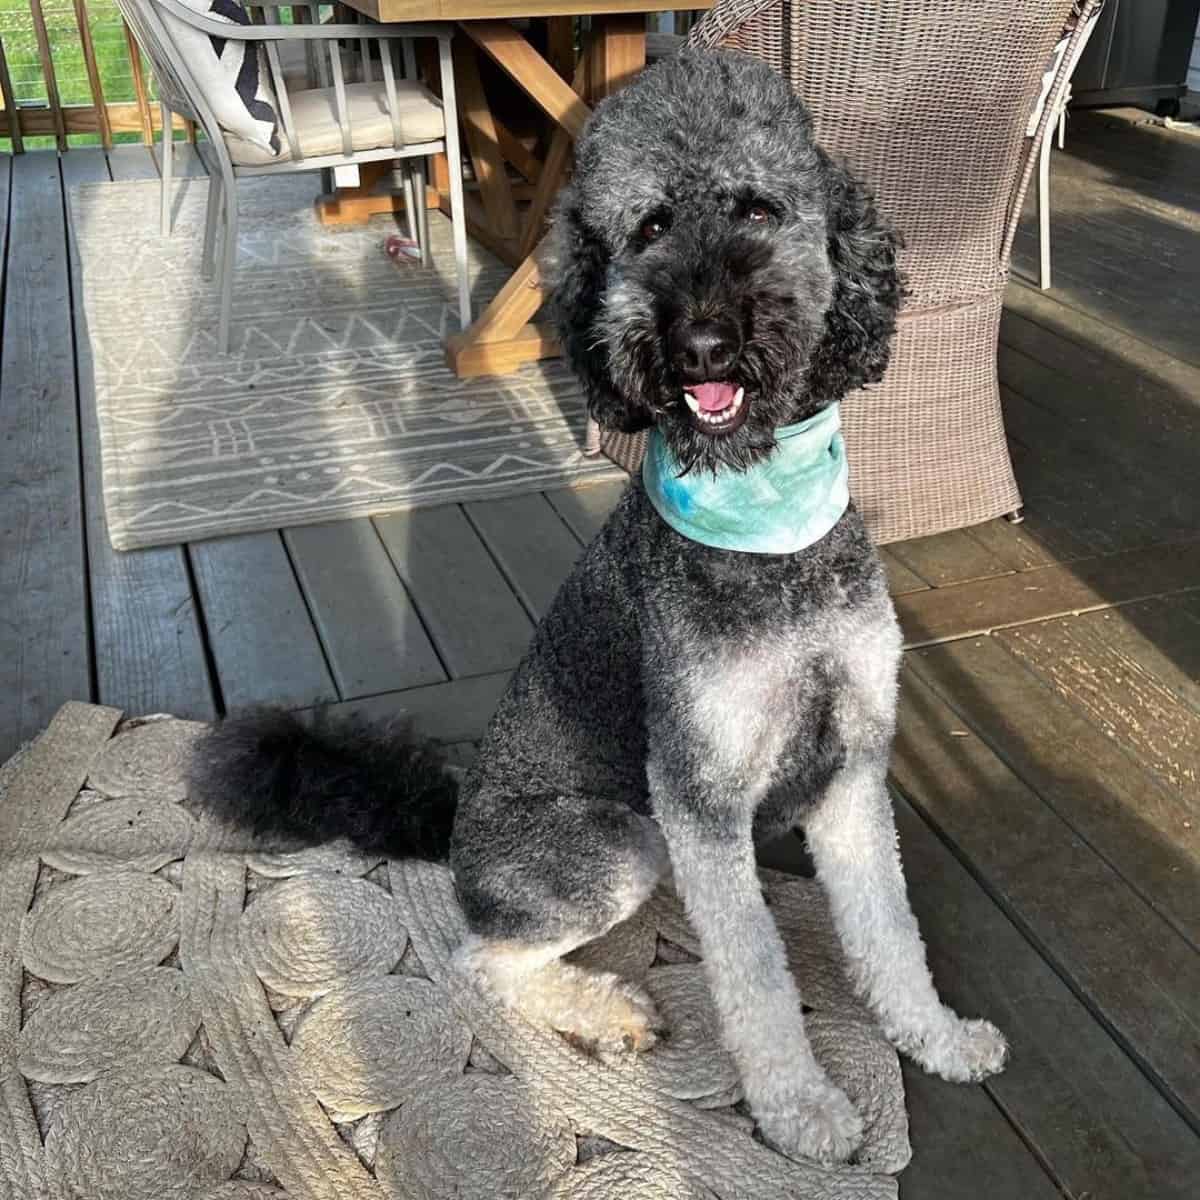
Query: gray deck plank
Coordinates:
[1081,333]
[585,509]
[530,542]
[947,558]
[1146,424]
[1050,506]
[1162,394]
[1018,547]
[1140,975]
[259,629]
[1086,777]
[148,650]
[1093,1116]
[1108,506]
[130,162]
[475,620]
[960,1138]
[453,712]
[371,632]
[1163,636]
[900,578]
[1102,665]
[1106,221]
[44,635]
[1102,581]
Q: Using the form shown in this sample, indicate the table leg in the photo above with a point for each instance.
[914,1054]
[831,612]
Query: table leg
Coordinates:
[483,143]
[502,337]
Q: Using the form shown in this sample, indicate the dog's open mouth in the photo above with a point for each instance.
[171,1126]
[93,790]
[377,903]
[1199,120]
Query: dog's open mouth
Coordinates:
[716,407]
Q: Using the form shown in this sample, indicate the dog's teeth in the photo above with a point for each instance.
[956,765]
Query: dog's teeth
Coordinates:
[737,400]
[692,402]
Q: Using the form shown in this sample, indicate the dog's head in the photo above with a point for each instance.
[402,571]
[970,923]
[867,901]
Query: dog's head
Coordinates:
[716,274]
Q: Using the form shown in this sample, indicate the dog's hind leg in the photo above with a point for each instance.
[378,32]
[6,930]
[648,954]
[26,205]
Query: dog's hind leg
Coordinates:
[538,878]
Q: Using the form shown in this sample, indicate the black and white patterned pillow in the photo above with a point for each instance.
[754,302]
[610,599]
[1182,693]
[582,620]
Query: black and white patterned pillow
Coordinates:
[232,75]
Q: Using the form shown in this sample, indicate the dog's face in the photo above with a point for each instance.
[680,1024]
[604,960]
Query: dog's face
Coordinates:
[715,273]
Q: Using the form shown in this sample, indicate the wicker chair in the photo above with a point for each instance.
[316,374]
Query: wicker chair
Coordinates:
[928,101]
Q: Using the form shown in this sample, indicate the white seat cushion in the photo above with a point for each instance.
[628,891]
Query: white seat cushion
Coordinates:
[314,117]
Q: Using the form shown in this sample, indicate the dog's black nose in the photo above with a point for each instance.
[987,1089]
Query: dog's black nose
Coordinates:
[704,350]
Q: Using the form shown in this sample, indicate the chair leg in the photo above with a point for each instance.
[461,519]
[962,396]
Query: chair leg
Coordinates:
[1043,207]
[410,211]
[211,214]
[166,168]
[458,219]
[228,266]
[422,212]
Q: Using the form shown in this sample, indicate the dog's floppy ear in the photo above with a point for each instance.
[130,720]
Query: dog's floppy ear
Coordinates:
[867,291]
[578,281]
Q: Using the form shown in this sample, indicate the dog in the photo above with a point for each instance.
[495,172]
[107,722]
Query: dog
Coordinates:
[718,279]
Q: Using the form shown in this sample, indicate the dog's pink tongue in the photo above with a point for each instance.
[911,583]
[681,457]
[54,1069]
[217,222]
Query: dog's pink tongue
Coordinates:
[713,397]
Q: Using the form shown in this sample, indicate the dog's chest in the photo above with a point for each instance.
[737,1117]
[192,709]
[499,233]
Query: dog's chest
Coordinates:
[756,702]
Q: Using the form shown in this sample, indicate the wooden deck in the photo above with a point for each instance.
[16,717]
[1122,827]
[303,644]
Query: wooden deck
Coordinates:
[1050,737]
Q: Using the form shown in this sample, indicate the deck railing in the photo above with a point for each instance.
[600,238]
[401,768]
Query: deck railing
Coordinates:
[71,72]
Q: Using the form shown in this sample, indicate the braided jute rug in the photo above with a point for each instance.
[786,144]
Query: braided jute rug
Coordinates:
[181,1020]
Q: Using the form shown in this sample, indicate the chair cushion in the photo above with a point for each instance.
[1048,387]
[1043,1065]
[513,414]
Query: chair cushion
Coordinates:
[314,115]
[232,75]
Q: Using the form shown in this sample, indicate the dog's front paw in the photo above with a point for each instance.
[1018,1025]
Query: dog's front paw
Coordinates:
[962,1051]
[824,1126]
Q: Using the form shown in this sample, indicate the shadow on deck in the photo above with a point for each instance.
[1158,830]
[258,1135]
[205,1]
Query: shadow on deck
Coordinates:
[1049,748]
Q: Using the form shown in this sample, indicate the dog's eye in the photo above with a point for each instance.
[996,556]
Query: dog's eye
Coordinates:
[756,214]
[652,229]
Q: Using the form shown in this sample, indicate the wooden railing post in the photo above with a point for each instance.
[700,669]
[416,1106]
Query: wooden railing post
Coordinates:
[139,85]
[10,105]
[43,43]
[93,73]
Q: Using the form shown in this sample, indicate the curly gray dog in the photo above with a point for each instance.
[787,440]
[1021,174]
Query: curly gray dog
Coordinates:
[719,277]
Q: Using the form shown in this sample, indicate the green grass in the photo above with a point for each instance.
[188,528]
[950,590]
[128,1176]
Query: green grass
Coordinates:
[112,59]
[24,64]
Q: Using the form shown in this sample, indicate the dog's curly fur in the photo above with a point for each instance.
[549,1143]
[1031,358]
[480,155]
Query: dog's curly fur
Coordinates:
[679,702]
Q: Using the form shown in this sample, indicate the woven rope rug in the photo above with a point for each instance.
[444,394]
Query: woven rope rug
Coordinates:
[183,1021]
[335,401]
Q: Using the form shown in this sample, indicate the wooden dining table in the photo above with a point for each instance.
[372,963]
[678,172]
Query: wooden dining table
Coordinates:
[564,87]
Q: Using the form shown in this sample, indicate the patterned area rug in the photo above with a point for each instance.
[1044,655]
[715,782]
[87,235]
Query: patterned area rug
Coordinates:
[182,1020]
[335,401]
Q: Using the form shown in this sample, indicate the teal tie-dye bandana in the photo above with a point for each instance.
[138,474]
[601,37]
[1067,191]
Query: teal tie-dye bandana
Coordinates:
[790,500]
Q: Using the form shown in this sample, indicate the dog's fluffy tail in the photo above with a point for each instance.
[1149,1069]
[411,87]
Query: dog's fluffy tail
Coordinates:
[385,791]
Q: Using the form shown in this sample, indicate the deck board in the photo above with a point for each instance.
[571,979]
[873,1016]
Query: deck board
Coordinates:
[147,642]
[262,636]
[585,509]
[1112,805]
[1101,226]
[1139,973]
[1104,667]
[453,712]
[530,543]
[370,629]
[44,620]
[1069,1088]
[951,557]
[473,617]
[130,162]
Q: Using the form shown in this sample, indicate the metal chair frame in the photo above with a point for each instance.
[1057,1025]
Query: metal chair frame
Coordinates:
[179,93]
